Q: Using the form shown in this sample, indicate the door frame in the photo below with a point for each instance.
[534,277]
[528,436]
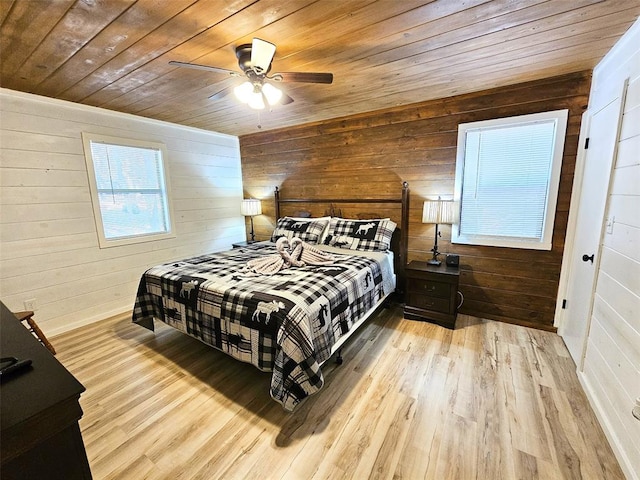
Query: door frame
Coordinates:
[569,251]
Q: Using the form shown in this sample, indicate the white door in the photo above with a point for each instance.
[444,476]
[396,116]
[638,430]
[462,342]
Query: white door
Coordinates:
[585,250]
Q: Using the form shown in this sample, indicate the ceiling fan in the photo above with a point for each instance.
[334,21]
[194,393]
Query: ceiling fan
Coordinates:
[255,60]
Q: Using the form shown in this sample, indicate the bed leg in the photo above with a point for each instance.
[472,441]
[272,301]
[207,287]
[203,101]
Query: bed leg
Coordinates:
[339,357]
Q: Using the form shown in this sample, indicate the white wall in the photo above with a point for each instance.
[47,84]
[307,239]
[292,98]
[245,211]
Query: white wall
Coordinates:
[611,370]
[48,242]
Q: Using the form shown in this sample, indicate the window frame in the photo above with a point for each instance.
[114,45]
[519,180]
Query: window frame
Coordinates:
[104,242]
[560,118]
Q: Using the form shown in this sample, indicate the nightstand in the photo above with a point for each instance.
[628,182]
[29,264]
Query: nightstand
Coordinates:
[432,293]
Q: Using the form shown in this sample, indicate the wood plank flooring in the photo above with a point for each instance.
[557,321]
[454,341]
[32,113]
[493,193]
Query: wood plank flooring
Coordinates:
[411,401]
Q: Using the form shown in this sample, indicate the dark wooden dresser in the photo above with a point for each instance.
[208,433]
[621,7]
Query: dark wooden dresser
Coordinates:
[39,412]
[432,293]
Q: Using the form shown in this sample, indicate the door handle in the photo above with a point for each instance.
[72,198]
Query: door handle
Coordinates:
[587,258]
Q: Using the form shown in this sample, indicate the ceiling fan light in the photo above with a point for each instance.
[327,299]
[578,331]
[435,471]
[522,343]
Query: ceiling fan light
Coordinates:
[256,102]
[244,92]
[273,94]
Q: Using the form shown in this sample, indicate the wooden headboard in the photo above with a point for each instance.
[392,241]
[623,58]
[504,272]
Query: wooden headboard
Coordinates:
[399,248]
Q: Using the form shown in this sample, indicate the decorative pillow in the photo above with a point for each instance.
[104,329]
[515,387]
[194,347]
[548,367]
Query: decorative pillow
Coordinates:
[308,230]
[367,235]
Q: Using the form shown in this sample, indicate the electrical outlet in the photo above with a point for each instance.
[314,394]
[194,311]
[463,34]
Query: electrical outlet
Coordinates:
[31,305]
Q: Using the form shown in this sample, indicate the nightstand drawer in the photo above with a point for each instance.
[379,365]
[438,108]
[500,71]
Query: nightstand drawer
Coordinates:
[431,288]
[418,300]
[430,293]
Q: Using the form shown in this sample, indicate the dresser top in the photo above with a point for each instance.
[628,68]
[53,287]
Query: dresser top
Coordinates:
[46,383]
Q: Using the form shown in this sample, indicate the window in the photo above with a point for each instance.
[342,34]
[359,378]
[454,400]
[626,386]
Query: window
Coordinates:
[129,189]
[507,177]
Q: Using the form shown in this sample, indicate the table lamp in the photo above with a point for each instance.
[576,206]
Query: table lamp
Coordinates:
[439,212]
[250,208]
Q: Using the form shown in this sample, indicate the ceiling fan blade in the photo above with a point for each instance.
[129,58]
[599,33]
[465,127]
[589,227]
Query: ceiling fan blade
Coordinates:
[286,99]
[262,53]
[303,77]
[204,67]
[222,93]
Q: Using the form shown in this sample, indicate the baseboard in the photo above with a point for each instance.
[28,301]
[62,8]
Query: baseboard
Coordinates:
[67,327]
[609,431]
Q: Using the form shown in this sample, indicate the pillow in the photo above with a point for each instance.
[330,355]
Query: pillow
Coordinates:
[316,219]
[325,241]
[308,230]
[366,235]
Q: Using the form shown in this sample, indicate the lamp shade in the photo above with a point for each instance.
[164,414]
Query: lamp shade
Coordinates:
[254,94]
[272,93]
[250,94]
[250,207]
[243,92]
[440,211]
[255,101]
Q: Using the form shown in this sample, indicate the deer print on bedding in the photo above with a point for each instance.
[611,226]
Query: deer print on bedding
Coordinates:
[188,288]
[364,229]
[267,308]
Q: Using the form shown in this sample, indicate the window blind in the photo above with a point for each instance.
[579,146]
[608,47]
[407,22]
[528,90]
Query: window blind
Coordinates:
[506,180]
[507,177]
[131,191]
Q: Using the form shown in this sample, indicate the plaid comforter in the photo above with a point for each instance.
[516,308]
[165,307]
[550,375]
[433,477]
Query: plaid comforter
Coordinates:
[286,323]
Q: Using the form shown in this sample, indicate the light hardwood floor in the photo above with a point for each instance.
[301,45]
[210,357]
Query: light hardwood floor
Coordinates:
[411,401]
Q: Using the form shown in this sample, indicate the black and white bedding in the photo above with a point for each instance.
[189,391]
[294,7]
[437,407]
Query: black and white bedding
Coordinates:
[286,323]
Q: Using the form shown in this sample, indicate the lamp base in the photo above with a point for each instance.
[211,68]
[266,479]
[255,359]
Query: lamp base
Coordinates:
[433,262]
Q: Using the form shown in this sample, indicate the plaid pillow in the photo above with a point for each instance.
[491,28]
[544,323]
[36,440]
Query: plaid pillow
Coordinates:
[366,235]
[308,230]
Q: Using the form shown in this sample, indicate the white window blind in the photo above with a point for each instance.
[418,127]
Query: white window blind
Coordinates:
[507,179]
[129,189]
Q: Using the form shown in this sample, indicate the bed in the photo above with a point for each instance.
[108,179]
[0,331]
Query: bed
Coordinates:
[290,322]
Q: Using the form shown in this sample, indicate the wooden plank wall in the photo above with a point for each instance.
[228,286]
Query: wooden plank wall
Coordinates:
[369,155]
[48,242]
[611,368]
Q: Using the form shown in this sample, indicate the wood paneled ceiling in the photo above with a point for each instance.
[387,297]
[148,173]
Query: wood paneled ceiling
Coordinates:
[115,53]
